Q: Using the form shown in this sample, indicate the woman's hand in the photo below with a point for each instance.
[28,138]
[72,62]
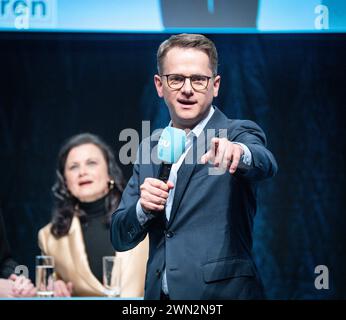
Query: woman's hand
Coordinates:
[62,289]
[22,287]
[6,286]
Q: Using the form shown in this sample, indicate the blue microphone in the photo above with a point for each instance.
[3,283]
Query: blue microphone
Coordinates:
[171,146]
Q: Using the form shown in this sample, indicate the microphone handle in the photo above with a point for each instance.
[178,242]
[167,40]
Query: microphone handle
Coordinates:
[165,169]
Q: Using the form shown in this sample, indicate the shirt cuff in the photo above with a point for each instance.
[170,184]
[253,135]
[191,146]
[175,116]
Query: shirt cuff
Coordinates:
[246,158]
[143,217]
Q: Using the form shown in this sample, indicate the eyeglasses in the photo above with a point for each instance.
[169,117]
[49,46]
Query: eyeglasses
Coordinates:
[177,81]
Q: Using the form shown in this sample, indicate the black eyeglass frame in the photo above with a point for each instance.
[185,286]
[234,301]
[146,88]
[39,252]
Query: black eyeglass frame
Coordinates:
[180,75]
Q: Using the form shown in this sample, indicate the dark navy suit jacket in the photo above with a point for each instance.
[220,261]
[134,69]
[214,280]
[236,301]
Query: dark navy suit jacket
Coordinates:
[206,244]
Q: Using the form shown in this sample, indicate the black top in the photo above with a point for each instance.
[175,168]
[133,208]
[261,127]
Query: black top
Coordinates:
[96,235]
[7,264]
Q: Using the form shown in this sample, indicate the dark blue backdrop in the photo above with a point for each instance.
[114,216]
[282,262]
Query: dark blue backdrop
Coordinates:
[56,85]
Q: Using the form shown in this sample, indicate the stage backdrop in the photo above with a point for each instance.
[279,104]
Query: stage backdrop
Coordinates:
[293,86]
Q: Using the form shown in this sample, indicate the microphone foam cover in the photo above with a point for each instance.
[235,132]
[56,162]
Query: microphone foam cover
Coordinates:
[171,144]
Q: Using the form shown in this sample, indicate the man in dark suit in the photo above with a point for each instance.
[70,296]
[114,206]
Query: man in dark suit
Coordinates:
[199,222]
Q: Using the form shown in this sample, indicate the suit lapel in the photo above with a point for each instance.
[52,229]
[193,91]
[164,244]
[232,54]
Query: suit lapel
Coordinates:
[183,177]
[199,147]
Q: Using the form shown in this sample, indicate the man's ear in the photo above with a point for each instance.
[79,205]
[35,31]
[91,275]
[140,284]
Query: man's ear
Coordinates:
[216,85]
[158,85]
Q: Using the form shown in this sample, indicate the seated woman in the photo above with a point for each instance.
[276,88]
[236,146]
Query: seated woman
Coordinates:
[88,189]
[11,285]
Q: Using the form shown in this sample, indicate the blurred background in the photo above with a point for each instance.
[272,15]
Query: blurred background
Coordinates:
[84,66]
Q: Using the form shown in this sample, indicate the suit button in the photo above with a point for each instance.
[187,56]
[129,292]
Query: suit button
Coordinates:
[169,234]
[158,273]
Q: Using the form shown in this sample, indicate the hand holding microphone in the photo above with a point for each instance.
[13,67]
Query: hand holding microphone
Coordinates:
[154,191]
[154,194]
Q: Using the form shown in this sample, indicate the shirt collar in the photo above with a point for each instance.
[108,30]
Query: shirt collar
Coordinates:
[196,131]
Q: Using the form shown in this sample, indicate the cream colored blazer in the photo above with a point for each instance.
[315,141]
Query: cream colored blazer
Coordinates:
[71,263]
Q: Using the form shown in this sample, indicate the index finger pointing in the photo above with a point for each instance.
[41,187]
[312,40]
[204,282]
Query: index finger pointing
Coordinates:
[211,153]
[214,144]
[206,157]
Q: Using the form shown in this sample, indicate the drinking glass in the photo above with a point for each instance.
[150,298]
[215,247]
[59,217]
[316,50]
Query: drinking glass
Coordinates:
[112,275]
[45,276]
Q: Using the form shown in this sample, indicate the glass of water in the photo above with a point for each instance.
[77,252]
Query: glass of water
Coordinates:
[45,276]
[112,275]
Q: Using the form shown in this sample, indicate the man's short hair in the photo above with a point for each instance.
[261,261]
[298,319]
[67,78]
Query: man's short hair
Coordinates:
[186,41]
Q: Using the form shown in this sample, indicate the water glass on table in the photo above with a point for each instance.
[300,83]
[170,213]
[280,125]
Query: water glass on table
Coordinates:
[45,276]
[112,275]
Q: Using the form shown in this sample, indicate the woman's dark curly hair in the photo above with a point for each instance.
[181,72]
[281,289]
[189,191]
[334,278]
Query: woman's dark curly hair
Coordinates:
[66,205]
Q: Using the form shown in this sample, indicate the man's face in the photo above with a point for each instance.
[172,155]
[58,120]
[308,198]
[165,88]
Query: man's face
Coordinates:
[187,106]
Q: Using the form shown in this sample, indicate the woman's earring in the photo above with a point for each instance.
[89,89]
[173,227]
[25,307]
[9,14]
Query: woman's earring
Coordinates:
[111,184]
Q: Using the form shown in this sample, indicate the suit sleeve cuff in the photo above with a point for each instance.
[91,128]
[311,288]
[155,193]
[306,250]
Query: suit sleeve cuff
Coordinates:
[246,158]
[142,216]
